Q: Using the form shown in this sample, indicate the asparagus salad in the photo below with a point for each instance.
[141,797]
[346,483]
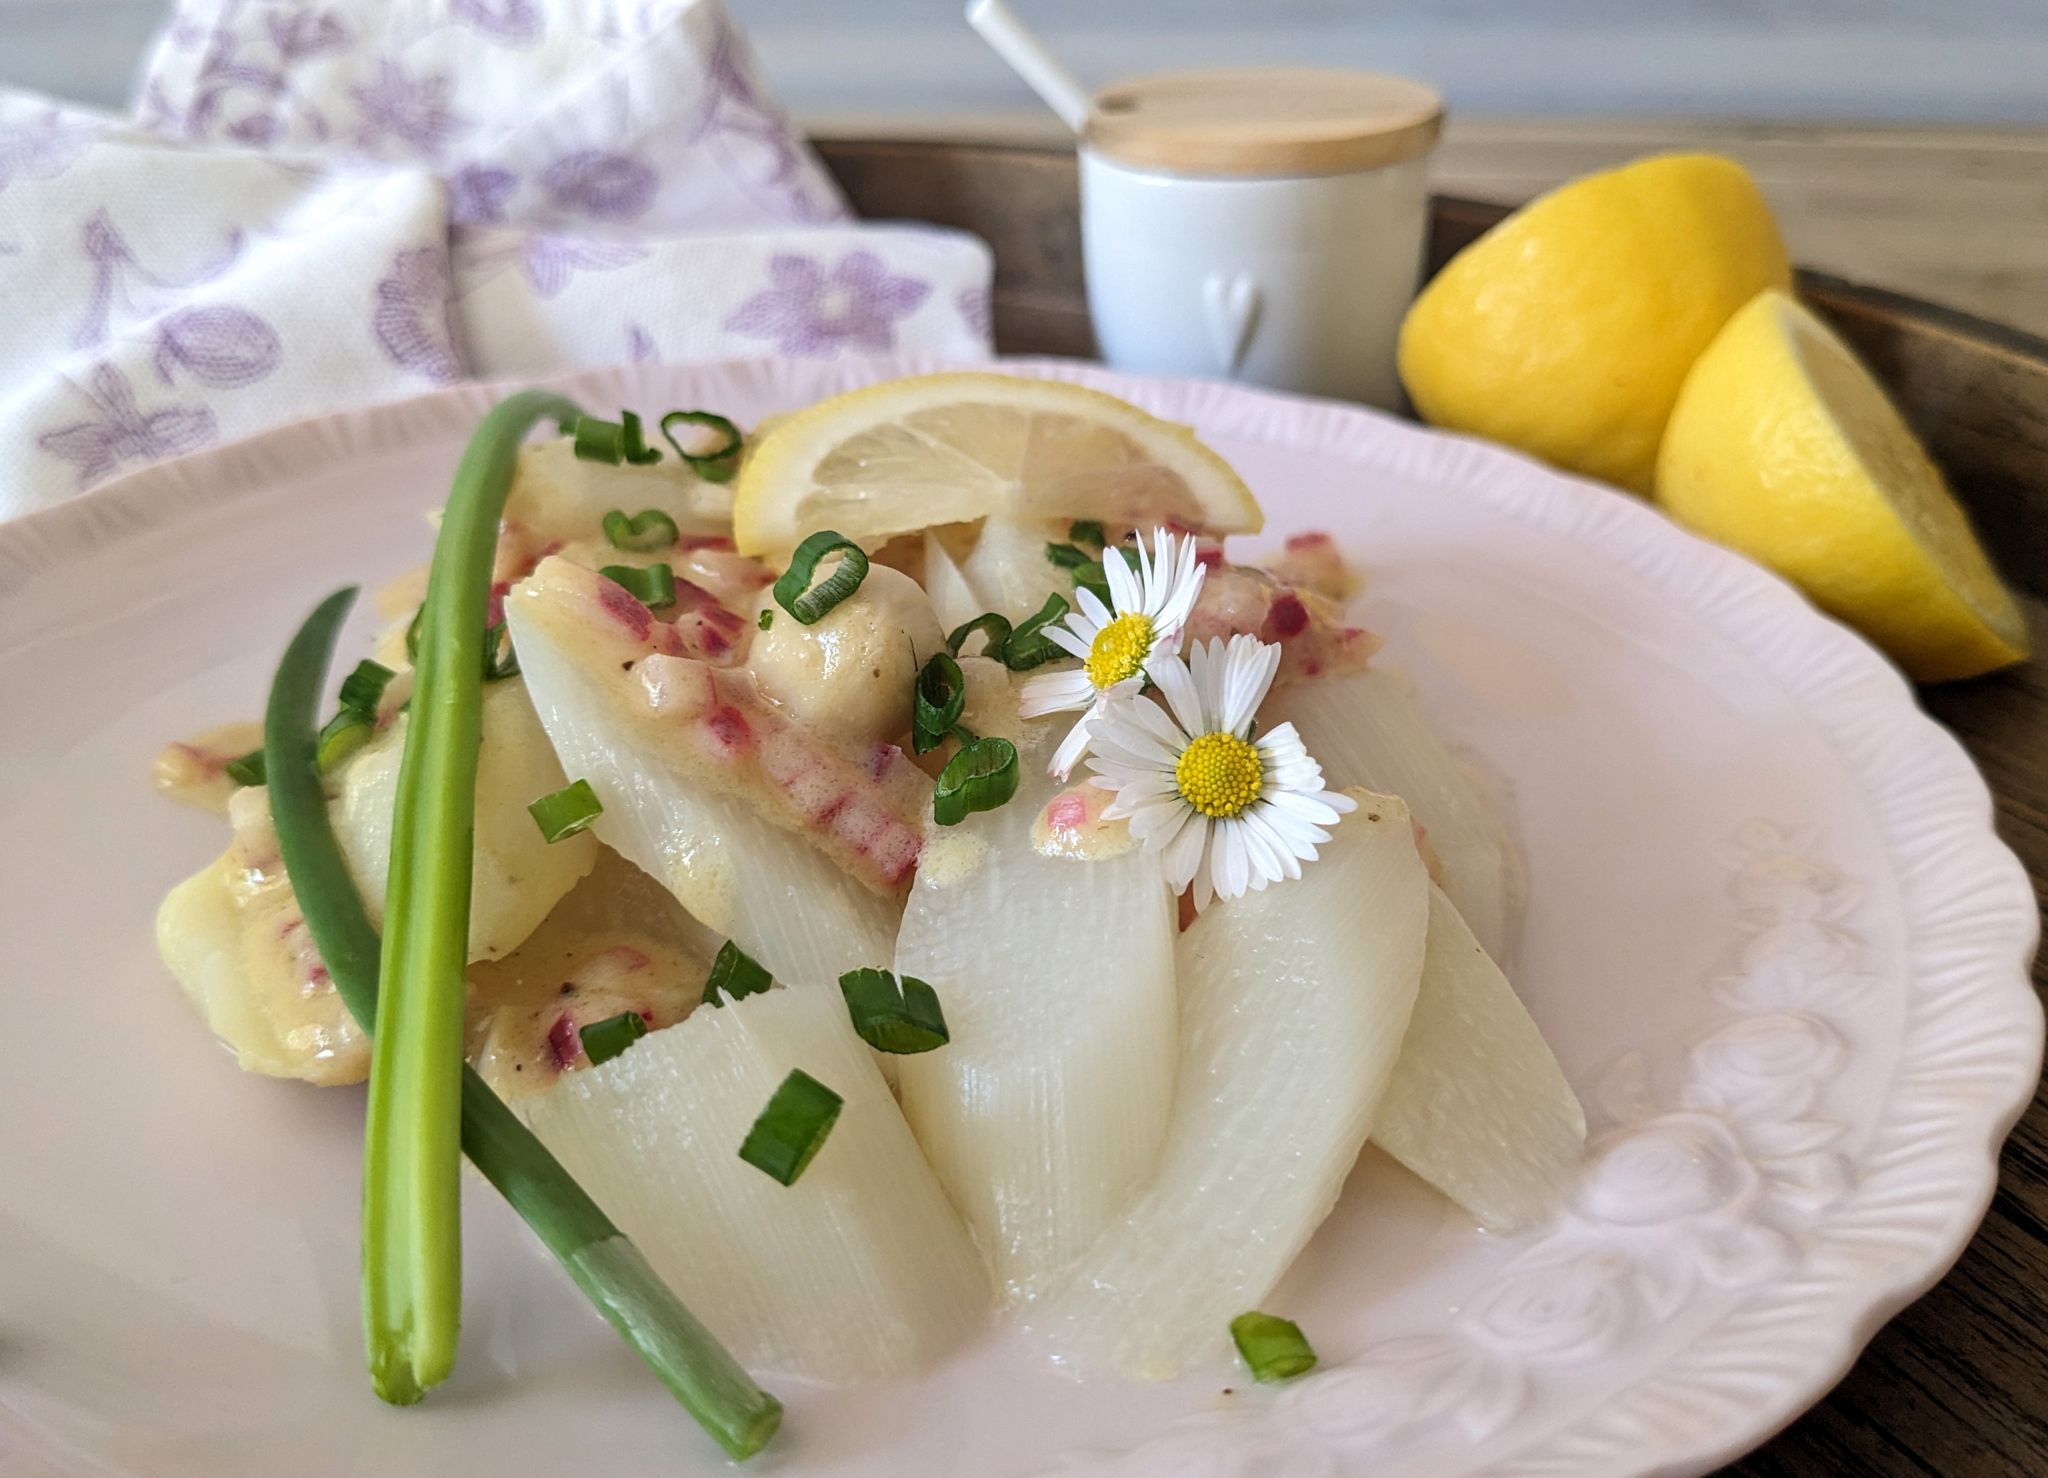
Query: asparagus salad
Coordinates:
[857,881]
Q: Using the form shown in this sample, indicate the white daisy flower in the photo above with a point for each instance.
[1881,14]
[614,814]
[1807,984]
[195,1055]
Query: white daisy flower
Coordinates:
[1117,643]
[1225,811]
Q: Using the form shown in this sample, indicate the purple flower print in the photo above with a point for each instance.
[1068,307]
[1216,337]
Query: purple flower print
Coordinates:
[976,311]
[597,182]
[122,432]
[43,149]
[300,33]
[257,130]
[114,262]
[412,111]
[222,346]
[513,22]
[550,262]
[414,317]
[640,347]
[751,138]
[810,312]
[477,194]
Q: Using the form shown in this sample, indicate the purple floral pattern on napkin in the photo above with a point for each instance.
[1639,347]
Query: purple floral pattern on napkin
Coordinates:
[222,346]
[513,22]
[414,315]
[120,432]
[600,183]
[815,312]
[114,263]
[477,194]
[299,32]
[414,111]
[43,148]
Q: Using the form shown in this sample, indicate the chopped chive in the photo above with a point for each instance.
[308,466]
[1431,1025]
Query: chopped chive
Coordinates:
[633,441]
[604,1040]
[995,633]
[792,1128]
[645,532]
[246,769]
[722,460]
[609,1270]
[794,592]
[500,660]
[347,732]
[1067,557]
[937,698]
[599,440]
[981,777]
[765,620]
[364,687]
[734,974]
[1028,646]
[1088,531]
[654,586]
[899,1019]
[1093,577]
[565,812]
[1274,1348]
[412,635]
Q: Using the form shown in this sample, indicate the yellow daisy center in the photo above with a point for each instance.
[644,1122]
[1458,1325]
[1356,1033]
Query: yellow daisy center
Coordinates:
[1120,649]
[1219,775]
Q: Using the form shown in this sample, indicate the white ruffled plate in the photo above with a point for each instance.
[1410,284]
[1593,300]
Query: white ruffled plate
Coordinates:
[1769,931]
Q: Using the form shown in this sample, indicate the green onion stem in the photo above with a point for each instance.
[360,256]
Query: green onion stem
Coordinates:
[808,603]
[412,1137]
[605,1265]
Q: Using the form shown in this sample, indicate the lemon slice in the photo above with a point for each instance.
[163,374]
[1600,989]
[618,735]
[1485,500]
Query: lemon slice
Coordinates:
[1782,446]
[907,454]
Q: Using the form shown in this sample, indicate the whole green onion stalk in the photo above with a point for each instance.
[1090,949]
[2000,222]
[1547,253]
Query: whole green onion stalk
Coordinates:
[604,1263]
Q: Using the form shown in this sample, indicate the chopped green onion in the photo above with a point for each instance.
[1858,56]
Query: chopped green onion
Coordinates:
[716,465]
[1274,1348]
[364,687]
[347,732]
[734,974]
[654,586]
[1093,578]
[563,813]
[994,629]
[500,660]
[1028,647]
[645,532]
[899,1019]
[765,620]
[936,701]
[412,635]
[1067,557]
[599,440]
[981,777]
[633,442]
[1088,531]
[793,590]
[246,769]
[604,1040]
[412,1134]
[792,1128]
[611,1272]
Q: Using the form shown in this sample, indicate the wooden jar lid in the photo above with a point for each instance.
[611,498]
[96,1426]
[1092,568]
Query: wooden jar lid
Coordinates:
[1264,121]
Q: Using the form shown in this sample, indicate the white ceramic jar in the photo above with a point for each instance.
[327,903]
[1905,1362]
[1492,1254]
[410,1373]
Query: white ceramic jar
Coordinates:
[1265,226]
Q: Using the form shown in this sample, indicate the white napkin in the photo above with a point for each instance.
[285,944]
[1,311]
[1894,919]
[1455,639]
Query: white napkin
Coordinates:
[276,240]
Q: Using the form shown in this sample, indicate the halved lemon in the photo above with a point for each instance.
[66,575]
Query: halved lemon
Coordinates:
[905,455]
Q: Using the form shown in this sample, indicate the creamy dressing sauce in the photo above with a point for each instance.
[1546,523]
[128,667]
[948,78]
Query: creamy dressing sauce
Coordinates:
[1071,825]
[950,857]
[193,771]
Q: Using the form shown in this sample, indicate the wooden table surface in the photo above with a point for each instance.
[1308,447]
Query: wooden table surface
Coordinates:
[1957,1385]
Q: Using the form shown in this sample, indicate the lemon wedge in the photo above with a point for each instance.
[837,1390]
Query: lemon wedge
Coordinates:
[907,454]
[1567,329]
[1782,446]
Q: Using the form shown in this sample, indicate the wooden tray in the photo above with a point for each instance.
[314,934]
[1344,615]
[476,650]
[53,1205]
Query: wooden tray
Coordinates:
[1957,1385]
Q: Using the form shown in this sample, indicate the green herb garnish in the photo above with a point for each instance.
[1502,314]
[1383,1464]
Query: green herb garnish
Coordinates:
[899,1019]
[563,813]
[604,1040]
[937,699]
[995,633]
[794,592]
[246,769]
[1272,1347]
[645,532]
[792,1128]
[722,459]
[1028,646]
[981,777]
[734,974]
[654,586]
[765,620]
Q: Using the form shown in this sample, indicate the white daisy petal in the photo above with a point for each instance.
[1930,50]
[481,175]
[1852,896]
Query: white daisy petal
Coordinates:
[1249,666]
[1228,862]
[1180,685]
[1069,641]
[1055,692]
[1091,607]
[1071,748]
[1181,858]
[1123,582]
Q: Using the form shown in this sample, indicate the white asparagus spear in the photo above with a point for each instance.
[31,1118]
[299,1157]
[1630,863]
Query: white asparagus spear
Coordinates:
[1045,1114]
[858,1271]
[1478,1106]
[1366,730]
[1293,1005]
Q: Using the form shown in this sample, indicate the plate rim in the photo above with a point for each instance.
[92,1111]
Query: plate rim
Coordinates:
[1988,906]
